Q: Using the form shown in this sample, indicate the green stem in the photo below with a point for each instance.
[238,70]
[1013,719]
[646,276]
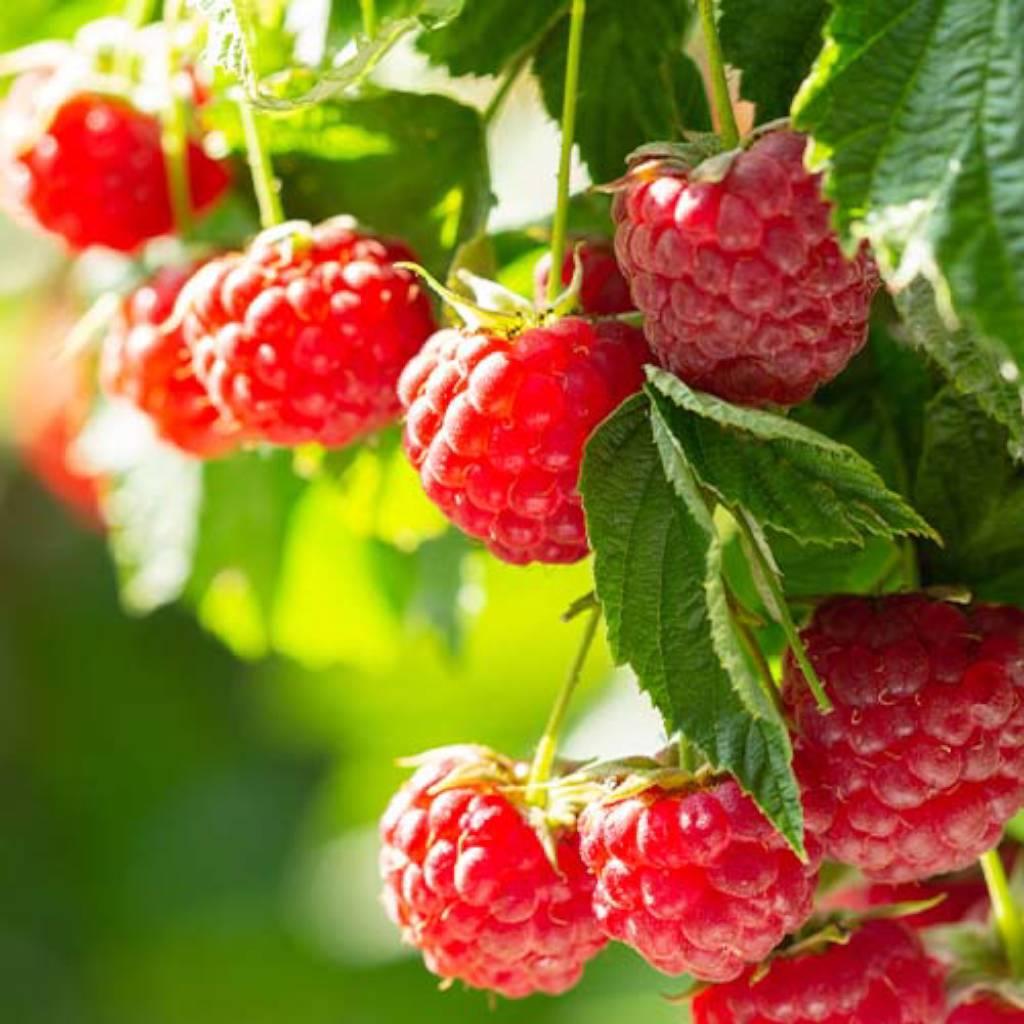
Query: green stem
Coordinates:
[544,758]
[689,760]
[911,570]
[174,130]
[1009,919]
[138,12]
[719,83]
[263,181]
[508,80]
[369,9]
[572,80]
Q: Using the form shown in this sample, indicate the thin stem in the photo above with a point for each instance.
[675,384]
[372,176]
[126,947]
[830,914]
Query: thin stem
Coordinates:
[369,9]
[263,181]
[911,570]
[544,758]
[138,12]
[719,83]
[174,130]
[689,760]
[509,79]
[1009,919]
[572,81]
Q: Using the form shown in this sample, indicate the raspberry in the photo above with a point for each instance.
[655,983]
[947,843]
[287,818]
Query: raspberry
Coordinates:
[496,428]
[696,881]
[743,286]
[470,885]
[95,174]
[302,337]
[986,1009]
[604,291]
[882,975]
[965,898]
[923,755]
[146,361]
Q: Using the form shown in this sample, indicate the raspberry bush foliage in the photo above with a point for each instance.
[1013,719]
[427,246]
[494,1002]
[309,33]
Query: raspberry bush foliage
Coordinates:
[762,433]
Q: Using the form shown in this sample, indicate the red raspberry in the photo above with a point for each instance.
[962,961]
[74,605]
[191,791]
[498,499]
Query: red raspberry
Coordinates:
[91,169]
[742,283]
[987,1009]
[882,975]
[302,337]
[469,883]
[965,898]
[696,882]
[496,428]
[924,752]
[604,291]
[147,362]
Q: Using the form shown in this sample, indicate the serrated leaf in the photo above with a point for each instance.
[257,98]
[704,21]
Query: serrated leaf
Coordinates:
[773,43]
[658,575]
[915,106]
[783,474]
[636,84]
[974,494]
[975,365]
[242,36]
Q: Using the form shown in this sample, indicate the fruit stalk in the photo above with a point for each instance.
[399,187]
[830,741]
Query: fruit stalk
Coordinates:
[263,181]
[543,759]
[1009,919]
[719,83]
[174,130]
[572,80]
[369,12]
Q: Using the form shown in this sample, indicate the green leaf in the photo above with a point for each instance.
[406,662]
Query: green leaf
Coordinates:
[365,156]
[658,575]
[915,108]
[33,20]
[974,494]
[975,365]
[489,34]
[636,84]
[245,38]
[773,43]
[783,474]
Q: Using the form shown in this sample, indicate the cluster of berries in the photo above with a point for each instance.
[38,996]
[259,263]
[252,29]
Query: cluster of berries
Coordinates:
[914,774]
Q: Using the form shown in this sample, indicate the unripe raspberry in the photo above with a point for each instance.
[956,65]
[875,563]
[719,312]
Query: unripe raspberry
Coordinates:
[302,337]
[90,167]
[697,882]
[986,1009]
[469,883]
[146,361]
[882,975]
[923,756]
[603,292]
[496,428]
[745,291]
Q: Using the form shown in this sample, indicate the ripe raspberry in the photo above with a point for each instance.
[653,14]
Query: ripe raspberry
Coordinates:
[964,899]
[744,288]
[986,1009]
[496,428]
[924,752]
[90,167]
[882,975]
[468,882]
[604,291]
[147,362]
[302,337]
[696,882]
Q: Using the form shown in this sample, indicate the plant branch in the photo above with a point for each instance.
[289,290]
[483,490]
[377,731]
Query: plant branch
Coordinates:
[369,12]
[721,100]
[263,180]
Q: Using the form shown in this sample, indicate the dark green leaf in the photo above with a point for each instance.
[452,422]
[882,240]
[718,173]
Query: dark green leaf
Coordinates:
[636,84]
[658,574]
[783,474]
[774,43]
[915,107]
[974,494]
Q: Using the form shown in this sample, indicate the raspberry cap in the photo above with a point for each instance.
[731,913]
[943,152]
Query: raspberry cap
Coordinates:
[302,337]
[744,289]
[603,292]
[496,427]
[986,1009]
[146,361]
[881,975]
[90,167]
[923,756]
[469,883]
[695,881]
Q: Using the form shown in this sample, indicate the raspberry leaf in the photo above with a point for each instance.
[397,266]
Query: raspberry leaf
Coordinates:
[936,186]
[658,576]
[785,475]
[773,43]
